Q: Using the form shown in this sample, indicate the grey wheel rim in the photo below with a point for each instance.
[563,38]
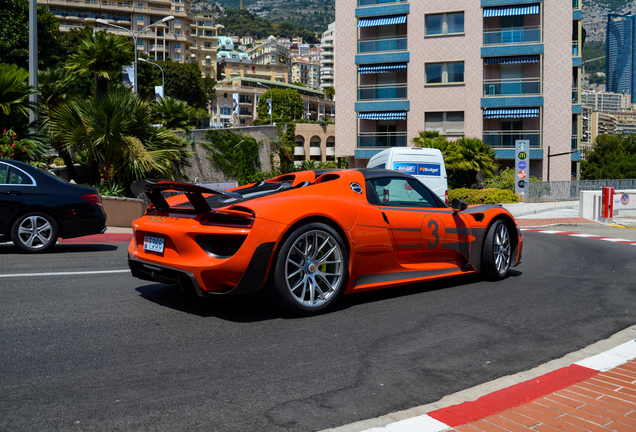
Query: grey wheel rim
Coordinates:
[35,232]
[502,249]
[314,268]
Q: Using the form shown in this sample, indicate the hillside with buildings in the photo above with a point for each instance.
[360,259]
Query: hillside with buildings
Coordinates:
[595,15]
[313,15]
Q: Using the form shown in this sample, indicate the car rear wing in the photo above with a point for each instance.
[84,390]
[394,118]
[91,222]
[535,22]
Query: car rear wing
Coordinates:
[194,193]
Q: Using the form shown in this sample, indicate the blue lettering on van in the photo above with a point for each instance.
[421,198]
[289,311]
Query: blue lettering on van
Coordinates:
[409,168]
[428,170]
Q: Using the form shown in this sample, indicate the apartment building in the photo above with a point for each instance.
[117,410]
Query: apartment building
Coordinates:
[237,98]
[601,101]
[204,44]
[327,57]
[500,70]
[271,53]
[170,40]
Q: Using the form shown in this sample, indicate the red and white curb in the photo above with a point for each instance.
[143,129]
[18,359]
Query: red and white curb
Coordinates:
[518,394]
[573,234]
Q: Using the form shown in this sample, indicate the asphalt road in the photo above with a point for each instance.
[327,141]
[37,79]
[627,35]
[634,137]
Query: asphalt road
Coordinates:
[105,351]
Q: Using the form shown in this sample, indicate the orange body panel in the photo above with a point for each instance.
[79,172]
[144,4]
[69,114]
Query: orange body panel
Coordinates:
[387,246]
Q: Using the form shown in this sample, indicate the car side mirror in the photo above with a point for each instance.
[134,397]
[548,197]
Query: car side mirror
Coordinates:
[458,205]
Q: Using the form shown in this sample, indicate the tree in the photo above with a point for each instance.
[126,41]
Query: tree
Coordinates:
[103,55]
[464,158]
[286,104]
[183,81]
[330,92]
[58,86]
[611,157]
[235,154]
[172,113]
[113,136]
[14,34]
[471,156]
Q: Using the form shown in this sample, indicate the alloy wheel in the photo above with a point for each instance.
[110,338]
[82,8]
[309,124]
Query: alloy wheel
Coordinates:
[314,268]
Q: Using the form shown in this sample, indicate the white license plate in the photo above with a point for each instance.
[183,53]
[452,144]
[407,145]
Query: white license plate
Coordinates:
[153,244]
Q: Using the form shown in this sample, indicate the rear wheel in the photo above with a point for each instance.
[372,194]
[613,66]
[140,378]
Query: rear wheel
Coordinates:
[34,232]
[311,269]
[497,251]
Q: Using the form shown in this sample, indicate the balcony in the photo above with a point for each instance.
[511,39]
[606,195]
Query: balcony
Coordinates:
[512,87]
[378,2]
[575,142]
[512,35]
[506,139]
[379,45]
[575,96]
[382,139]
[576,52]
[576,4]
[382,91]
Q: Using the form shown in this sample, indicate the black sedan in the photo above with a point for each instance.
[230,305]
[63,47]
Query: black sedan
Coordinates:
[37,207]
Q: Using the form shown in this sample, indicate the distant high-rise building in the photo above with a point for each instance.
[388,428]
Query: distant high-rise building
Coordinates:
[327,60]
[621,76]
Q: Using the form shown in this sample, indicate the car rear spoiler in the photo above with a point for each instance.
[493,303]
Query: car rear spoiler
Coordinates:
[194,193]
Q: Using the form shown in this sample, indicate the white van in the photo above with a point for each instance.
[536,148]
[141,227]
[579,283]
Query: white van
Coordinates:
[426,164]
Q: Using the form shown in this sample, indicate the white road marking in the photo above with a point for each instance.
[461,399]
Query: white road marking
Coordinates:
[63,273]
[614,240]
[611,358]
[422,423]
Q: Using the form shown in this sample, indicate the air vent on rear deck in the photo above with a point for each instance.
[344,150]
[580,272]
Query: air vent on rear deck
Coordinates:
[327,177]
[242,210]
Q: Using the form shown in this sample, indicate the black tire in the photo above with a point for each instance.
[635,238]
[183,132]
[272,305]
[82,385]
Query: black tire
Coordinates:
[34,232]
[311,270]
[497,251]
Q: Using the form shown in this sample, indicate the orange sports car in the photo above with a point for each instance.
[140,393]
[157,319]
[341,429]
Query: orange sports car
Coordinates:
[310,236]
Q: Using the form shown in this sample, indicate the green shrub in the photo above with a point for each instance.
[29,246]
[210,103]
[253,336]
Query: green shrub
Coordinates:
[483,196]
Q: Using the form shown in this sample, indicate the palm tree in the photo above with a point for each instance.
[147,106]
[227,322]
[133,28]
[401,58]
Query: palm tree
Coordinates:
[103,54]
[15,108]
[471,156]
[14,95]
[113,136]
[173,113]
[57,86]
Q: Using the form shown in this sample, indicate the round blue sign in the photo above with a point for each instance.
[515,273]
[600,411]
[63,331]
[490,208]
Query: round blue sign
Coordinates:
[522,165]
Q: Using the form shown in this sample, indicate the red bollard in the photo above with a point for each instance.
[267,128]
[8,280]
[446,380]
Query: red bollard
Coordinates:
[608,203]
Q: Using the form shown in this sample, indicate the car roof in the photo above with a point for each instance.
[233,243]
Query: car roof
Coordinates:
[374,173]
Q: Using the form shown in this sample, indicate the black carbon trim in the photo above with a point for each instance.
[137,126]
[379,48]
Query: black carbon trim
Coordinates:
[407,229]
[393,277]
[480,208]
[460,231]
[256,271]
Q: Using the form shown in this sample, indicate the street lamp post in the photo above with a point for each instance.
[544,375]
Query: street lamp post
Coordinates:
[135,37]
[163,79]
[271,95]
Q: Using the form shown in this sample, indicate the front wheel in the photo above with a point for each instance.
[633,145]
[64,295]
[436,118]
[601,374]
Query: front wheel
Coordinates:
[311,269]
[34,232]
[496,255]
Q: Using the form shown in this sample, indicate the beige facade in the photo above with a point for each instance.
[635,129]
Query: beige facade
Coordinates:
[602,123]
[315,142]
[203,50]
[161,42]
[247,92]
[601,101]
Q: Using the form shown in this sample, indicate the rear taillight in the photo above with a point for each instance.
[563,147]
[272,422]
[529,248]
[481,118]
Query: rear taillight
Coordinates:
[446,197]
[93,199]
[227,218]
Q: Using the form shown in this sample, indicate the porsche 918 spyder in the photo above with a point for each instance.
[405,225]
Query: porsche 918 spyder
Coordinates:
[310,236]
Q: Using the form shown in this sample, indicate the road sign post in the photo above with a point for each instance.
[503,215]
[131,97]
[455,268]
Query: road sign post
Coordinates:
[522,168]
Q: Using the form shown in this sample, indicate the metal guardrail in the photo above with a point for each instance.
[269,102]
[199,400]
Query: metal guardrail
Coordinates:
[571,190]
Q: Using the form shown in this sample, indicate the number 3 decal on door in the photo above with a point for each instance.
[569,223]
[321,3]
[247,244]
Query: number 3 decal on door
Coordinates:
[433,234]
